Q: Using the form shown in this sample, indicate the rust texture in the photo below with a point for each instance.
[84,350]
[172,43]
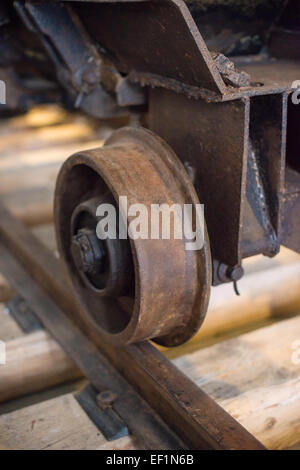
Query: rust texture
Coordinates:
[213,79]
[170,291]
[220,99]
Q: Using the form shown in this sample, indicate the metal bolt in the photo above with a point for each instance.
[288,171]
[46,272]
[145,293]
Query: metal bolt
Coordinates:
[106,398]
[235,273]
[224,273]
[88,252]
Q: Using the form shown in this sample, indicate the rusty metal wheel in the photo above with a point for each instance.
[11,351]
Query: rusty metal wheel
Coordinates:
[132,289]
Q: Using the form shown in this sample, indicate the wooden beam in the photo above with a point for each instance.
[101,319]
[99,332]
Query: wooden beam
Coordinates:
[34,362]
[9,329]
[139,417]
[192,414]
[6,291]
[265,295]
[261,358]
[57,424]
[252,377]
[272,412]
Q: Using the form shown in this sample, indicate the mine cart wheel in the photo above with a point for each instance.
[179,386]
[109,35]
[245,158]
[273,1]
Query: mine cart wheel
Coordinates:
[131,289]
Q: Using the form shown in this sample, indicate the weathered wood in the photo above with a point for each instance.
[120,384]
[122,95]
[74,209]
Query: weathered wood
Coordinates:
[262,263]
[196,418]
[142,421]
[255,379]
[57,424]
[2,447]
[44,128]
[261,358]
[27,174]
[33,207]
[242,374]
[295,447]
[46,234]
[272,412]
[25,145]
[265,295]
[34,362]
[9,329]
[6,291]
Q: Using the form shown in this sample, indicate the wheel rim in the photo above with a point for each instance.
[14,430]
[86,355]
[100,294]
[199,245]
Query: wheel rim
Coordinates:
[169,298]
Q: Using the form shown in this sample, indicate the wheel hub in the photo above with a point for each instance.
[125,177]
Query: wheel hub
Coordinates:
[132,289]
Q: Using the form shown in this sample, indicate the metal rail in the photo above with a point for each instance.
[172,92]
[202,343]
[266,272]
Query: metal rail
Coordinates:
[159,404]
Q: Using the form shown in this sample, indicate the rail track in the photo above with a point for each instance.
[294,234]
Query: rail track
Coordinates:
[236,385]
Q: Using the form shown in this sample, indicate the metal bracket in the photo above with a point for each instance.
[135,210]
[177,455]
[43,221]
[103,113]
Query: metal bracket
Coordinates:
[23,315]
[101,413]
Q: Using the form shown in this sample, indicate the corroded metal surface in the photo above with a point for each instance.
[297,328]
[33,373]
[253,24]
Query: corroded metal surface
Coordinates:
[229,118]
[171,288]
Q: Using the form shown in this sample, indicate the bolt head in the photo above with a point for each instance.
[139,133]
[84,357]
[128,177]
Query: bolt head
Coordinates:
[235,273]
[87,252]
[106,398]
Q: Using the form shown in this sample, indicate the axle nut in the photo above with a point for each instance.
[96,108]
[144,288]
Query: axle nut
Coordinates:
[87,252]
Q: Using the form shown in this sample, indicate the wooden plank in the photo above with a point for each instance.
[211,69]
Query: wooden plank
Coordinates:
[271,412]
[244,375]
[34,362]
[6,291]
[140,418]
[28,190]
[2,447]
[262,263]
[265,296]
[23,146]
[254,378]
[261,358]
[295,447]
[57,424]
[9,329]
[46,234]
[23,137]
[195,417]
[31,154]
[37,117]
[32,207]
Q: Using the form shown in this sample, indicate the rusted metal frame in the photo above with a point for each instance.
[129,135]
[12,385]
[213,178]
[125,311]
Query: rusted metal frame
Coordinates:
[156,81]
[21,97]
[291,218]
[195,417]
[147,75]
[77,62]
[291,209]
[128,289]
[238,166]
[155,37]
[95,85]
[265,175]
[215,146]
[197,66]
[268,77]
